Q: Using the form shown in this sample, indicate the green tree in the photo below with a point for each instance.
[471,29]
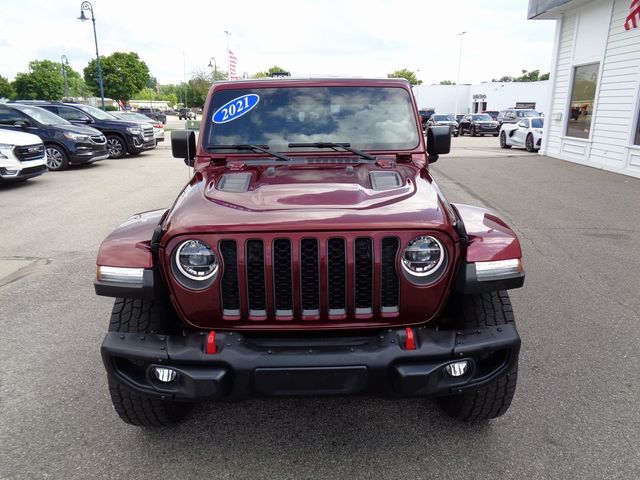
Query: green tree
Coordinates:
[407,74]
[6,88]
[197,88]
[77,85]
[123,74]
[42,82]
[447,82]
[544,76]
[270,73]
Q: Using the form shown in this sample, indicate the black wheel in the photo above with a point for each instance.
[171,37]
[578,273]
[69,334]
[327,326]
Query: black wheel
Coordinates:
[495,134]
[494,399]
[473,131]
[503,140]
[57,158]
[143,316]
[528,143]
[455,134]
[116,146]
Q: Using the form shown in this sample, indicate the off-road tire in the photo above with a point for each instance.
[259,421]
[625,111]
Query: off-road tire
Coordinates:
[492,400]
[143,316]
[503,140]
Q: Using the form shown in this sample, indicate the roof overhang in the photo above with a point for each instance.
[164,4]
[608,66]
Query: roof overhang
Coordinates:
[551,9]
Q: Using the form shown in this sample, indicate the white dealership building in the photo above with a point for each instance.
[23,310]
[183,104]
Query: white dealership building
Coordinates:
[594,88]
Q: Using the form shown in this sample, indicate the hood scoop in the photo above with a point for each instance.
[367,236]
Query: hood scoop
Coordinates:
[234,182]
[385,180]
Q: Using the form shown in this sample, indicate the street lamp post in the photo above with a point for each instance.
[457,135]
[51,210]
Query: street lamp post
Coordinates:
[87,6]
[64,61]
[215,68]
[461,35]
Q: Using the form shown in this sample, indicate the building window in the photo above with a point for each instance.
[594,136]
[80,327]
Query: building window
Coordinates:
[583,94]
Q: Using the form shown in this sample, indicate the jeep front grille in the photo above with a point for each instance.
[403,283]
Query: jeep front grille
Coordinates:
[309,278]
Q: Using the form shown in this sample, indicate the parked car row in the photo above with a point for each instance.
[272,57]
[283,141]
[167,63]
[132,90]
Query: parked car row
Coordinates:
[72,134]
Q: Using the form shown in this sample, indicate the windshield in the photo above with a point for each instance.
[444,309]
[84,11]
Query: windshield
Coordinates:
[527,113]
[482,117]
[443,118]
[96,112]
[43,116]
[364,117]
[537,122]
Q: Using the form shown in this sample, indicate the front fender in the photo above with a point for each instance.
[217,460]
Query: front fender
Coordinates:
[490,243]
[129,247]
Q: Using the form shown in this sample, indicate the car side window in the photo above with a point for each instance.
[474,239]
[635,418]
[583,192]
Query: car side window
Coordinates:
[9,116]
[72,114]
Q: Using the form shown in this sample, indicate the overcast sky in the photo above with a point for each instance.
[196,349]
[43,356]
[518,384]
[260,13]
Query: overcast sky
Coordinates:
[332,37]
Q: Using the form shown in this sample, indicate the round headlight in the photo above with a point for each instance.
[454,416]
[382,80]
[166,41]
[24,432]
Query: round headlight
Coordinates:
[196,260]
[422,256]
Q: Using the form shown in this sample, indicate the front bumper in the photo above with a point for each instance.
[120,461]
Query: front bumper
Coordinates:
[138,143]
[86,153]
[250,366]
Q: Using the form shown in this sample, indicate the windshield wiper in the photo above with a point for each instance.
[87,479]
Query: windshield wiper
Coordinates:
[252,148]
[334,146]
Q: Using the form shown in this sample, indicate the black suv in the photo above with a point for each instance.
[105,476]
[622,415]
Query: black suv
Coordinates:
[514,115]
[122,137]
[154,113]
[65,143]
[479,124]
[186,114]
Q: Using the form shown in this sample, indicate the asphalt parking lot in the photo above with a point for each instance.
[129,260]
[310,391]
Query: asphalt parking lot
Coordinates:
[576,413]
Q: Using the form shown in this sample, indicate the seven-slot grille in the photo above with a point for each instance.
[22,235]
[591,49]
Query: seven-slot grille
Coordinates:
[312,277]
[25,153]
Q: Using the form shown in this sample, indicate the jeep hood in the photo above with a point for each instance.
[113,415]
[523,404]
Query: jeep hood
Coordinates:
[308,197]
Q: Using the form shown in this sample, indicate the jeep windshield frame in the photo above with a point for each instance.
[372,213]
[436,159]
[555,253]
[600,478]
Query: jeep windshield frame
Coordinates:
[373,118]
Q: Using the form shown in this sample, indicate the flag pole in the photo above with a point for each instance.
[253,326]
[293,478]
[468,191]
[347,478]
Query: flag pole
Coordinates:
[228,57]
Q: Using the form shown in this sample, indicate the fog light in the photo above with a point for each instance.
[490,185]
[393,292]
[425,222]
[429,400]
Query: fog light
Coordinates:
[167,375]
[457,369]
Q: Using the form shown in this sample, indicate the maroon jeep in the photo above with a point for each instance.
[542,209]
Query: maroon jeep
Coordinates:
[312,253]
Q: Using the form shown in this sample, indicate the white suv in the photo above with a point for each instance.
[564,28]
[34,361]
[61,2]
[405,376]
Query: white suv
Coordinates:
[22,156]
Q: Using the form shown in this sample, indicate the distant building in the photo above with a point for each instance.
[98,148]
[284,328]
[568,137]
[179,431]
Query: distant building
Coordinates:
[483,96]
[594,93]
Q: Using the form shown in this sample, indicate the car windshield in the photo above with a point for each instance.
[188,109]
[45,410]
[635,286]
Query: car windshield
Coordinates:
[43,116]
[482,117]
[136,117]
[364,117]
[537,122]
[527,113]
[443,118]
[96,112]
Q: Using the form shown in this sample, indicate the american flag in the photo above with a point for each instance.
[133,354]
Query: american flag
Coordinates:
[233,63]
[634,15]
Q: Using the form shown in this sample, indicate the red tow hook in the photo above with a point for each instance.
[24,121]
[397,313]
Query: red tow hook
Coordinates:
[210,347]
[410,342]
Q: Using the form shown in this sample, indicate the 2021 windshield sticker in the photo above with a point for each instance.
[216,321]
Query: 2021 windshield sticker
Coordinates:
[236,108]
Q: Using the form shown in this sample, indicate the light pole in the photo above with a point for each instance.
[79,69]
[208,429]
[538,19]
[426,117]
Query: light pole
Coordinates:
[228,59]
[87,6]
[215,67]
[64,61]
[461,35]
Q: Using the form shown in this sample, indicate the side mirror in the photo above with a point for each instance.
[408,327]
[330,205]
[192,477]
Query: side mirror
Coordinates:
[522,124]
[85,120]
[183,145]
[21,123]
[438,142]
